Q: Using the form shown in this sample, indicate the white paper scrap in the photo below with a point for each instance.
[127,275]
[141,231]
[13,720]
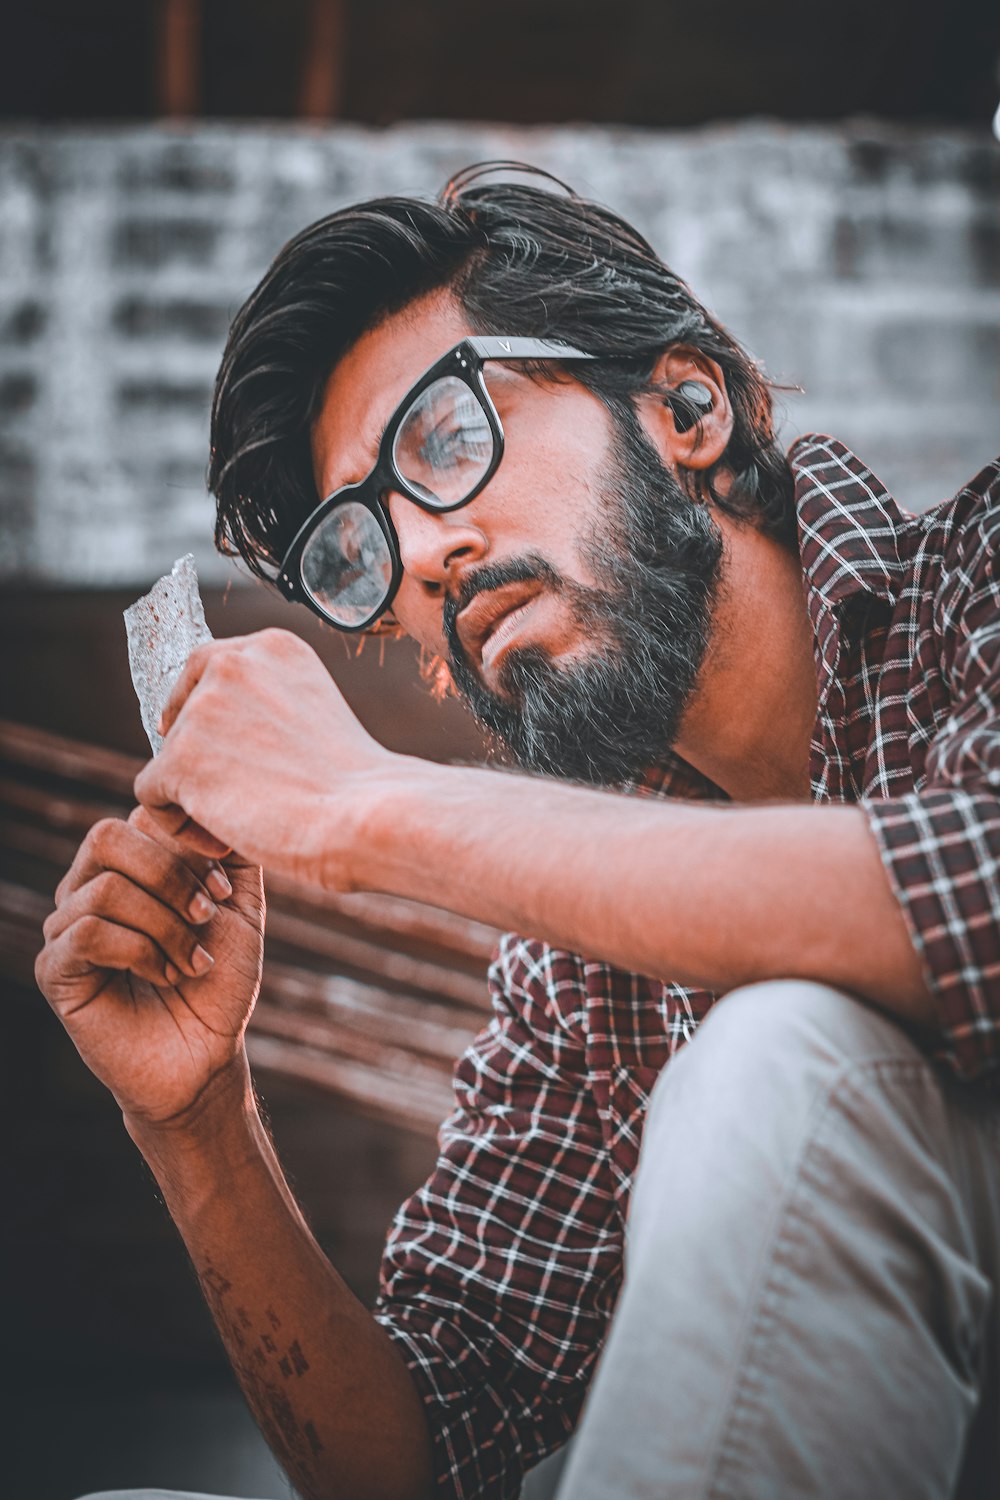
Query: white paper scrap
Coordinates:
[163,628]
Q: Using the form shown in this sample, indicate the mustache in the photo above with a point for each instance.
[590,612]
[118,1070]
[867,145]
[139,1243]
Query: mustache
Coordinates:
[531,568]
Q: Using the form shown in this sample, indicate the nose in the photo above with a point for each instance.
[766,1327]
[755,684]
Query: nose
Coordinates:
[435,547]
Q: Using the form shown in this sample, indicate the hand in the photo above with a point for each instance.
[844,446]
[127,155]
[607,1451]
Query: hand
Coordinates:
[157,1023]
[262,754]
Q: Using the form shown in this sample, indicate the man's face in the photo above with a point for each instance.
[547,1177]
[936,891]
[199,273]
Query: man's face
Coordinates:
[572,597]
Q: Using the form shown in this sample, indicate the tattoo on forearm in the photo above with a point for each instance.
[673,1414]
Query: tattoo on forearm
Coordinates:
[294,1362]
[263,1368]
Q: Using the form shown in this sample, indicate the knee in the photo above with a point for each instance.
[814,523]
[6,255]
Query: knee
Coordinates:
[782,1023]
[773,1041]
[796,1009]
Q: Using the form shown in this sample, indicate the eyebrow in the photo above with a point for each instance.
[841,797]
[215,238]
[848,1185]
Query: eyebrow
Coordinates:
[383,429]
[371,452]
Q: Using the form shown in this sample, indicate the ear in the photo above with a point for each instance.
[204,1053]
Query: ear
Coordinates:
[692,434]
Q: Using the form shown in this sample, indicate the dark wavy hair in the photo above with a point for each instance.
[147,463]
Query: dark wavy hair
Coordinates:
[520,259]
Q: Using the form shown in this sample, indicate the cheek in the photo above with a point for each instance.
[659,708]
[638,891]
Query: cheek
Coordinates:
[551,508]
[420,617]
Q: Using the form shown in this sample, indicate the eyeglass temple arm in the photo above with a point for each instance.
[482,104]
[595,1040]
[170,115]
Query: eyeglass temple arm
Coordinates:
[693,401]
[514,348]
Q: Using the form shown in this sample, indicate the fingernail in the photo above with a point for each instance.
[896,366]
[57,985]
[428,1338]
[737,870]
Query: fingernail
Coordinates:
[201,908]
[218,883]
[172,974]
[201,960]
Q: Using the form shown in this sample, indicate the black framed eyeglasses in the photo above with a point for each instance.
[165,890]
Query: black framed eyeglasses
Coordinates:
[441,447]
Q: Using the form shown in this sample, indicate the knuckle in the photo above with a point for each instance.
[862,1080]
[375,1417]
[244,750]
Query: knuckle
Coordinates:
[102,835]
[42,967]
[226,667]
[86,927]
[213,692]
[137,947]
[105,889]
[85,931]
[279,642]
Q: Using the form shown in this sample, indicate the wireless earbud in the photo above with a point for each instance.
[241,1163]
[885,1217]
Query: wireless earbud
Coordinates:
[693,394]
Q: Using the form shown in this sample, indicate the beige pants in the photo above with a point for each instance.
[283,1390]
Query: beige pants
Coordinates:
[813,1257]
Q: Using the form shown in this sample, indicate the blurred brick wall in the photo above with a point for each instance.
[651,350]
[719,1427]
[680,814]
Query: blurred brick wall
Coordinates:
[861,262]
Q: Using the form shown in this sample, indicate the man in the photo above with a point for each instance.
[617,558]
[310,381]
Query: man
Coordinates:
[500,423]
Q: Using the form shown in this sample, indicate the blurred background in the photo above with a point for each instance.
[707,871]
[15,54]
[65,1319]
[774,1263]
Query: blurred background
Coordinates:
[825,177]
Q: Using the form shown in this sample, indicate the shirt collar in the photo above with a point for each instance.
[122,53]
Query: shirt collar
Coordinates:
[855,544]
[853,537]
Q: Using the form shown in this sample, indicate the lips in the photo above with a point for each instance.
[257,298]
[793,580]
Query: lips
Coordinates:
[483,623]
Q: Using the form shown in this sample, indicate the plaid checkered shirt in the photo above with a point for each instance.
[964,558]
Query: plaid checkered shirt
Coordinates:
[501,1273]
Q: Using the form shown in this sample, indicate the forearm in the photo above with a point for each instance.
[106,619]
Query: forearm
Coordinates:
[327,1387]
[700,895]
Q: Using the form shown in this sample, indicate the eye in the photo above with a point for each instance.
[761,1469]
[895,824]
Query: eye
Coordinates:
[444,445]
[458,435]
[354,544]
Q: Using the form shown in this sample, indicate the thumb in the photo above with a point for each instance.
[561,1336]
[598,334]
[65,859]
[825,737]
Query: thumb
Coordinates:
[192,840]
[176,829]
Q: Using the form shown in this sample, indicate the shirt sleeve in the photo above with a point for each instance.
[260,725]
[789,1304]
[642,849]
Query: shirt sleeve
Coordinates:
[500,1274]
[941,845]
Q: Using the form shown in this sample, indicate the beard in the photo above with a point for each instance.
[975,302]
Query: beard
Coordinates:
[608,718]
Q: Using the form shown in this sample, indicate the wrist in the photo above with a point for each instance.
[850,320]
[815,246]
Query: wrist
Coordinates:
[211,1160]
[226,1100]
[371,849]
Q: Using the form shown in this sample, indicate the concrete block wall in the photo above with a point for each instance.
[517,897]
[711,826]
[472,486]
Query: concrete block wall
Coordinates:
[861,262]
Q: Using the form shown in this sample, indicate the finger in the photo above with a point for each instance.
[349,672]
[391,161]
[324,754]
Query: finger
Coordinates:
[194,837]
[95,943]
[115,845]
[192,672]
[197,666]
[112,845]
[225,662]
[155,791]
[116,901]
[214,875]
[185,832]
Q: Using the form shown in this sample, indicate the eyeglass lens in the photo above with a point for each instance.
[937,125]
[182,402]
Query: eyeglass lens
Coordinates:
[346,564]
[444,444]
[443,449]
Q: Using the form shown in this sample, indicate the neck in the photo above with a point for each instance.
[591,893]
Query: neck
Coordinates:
[749,726]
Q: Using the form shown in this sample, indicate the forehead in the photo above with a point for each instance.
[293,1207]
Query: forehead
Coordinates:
[368,382]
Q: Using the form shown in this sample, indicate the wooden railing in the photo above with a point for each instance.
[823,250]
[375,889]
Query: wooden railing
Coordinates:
[368,997]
